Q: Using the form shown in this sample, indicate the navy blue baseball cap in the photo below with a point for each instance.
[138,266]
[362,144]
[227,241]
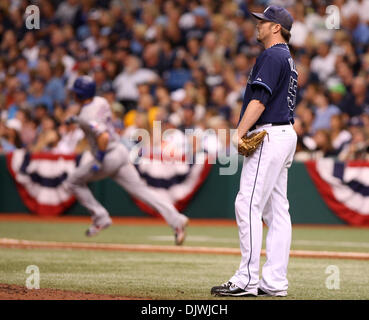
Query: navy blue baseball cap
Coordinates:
[84,87]
[276,14]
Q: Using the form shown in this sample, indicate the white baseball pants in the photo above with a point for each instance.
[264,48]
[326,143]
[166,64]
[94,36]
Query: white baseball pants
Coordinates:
[116,165]
[263,196]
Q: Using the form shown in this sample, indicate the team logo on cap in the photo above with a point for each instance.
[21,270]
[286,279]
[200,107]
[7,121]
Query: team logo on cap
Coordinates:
[266,9]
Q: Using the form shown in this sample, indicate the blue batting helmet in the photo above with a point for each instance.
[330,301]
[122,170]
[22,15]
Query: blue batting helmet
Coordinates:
[84,87]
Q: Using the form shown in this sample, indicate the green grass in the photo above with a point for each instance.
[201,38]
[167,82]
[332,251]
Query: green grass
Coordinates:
[170,275]
[323,239]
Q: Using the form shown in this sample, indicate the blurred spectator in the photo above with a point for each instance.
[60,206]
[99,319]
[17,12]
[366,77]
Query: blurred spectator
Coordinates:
[340,137]
[323,64]
[357,149]
[336,92]
[37,94]
[9,135]
[162,97]
[315,21]
[345,73]
[70,136]
[365,120]
[218,102]
[20,102]
[47,137]
[355,102]
[235,114]
[323,112]
[323,144]
[178,75]
[302,82]
[9,41]
[215,74]
[29,128]
[39,112]
[306,115]
[247,43]
[360,8]
[300,30]
[53,75]
[210,52]
[22,71]
[30,48]
[145,105]
[313,147]
[67,11]
[199,24]
[126,82]
[191,56]
[11,86]
[188,117]
[359,31]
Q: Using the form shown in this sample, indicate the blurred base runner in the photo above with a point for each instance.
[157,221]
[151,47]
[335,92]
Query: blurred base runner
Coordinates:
[109,158]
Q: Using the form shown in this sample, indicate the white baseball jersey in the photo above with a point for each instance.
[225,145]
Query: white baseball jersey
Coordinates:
[94,119]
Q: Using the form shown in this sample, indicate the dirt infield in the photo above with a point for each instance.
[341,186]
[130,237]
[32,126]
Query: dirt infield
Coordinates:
[26,244]
[14,292]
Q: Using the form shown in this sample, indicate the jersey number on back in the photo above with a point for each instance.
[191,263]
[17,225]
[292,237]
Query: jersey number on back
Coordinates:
[291,97]
[292,87]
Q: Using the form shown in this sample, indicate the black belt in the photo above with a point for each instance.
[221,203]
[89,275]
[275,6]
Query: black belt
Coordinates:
[273,124]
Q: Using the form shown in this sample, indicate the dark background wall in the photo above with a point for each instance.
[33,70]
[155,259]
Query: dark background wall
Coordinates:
[215,199]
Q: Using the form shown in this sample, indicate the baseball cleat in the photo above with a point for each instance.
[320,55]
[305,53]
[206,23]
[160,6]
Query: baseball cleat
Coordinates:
[180,233]
[98,225]
[262,293]
[230,289]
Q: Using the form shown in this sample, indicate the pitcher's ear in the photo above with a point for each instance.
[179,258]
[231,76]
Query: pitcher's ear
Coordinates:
[277,27]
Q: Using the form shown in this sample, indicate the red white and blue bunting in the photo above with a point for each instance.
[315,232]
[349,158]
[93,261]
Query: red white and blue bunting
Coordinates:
[177,182]
[344,187]
[41,180]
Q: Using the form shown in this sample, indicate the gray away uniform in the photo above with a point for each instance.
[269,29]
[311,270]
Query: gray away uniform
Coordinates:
[94,119]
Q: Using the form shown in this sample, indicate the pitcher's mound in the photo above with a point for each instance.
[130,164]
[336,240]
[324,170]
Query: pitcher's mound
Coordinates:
[15,292]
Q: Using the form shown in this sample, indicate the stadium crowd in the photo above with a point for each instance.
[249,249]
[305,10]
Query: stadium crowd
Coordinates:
[184,62]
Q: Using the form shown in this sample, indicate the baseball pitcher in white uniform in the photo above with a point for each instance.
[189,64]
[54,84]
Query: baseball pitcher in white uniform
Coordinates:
[110,158]
[267,139]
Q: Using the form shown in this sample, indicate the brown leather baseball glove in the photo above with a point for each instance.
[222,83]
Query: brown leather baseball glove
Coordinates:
[251,143]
